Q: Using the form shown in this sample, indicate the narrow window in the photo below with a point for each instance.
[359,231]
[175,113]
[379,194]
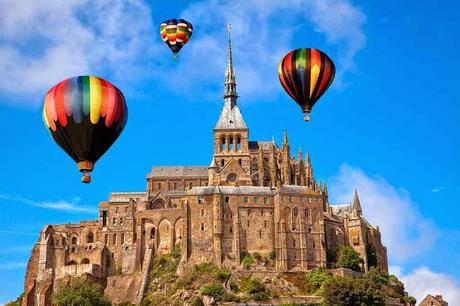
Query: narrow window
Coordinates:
[200,199]
[261,213]
[190,185]
[313,245]
[222,144]
[231,229]
[240,161]
[106,238]
[245,199]
[265,224]
[202,212]
[230,143]
[175,186]
[74,240]
[104,218]
[290,199]
[114,240]
[116,210]
[222,163]
[265,200]
[256,200]
[260,234]
[254,165]
[114,221]
[293,243]
[248,223]
[202,227]
[121,221]
[152,233]
[231,216]
[294,212]
[122,238]
[227,199]
[159,185]
[238,143]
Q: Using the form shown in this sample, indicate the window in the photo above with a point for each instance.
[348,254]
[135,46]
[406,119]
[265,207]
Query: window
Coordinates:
[238,143]
[230,143]
[114,239]
[122,238]
[202,213]
[175,186]
[74,240]
[90,238]
[240,161]
[222,144]
[159,185]
[231,229]
[227,199]
[256,200]
[116,210]
[260,234]
[254,165]
[121,221]
[222,163]
[231,216]
[290,199]
[261,213]
[245,199]
[293,243]
[265,224]
[265,200]
[248,223]
[293,227]
[200,199]
[305,212]
[202,227]
[114,221]
[313,245]
[309,200]
[294,212]
[106,238]
[104,218]
[309,229]
[126,208]
[190,185]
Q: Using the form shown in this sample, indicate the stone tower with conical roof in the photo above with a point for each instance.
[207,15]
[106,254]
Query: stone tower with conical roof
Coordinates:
[231,149]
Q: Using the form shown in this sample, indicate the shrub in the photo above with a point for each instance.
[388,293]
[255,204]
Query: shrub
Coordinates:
[197,302]
[371,256]
[254,288]
[346,291]
[175,253]
[80,292]
[257,256]
[17,302]
[349,258]
[315,279]
[217,291]
[272,255]
[247,261]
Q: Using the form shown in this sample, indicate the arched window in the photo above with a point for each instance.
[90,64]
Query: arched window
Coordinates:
[90,238]
[152,233]
[254,165]
[84,261]
[305,212]
[222,144]
[240,161]
[230,143]
[238,143]
[222,163]
[294,212]
[74,240]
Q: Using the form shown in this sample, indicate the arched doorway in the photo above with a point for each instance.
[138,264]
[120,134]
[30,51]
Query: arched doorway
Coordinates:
[164,236]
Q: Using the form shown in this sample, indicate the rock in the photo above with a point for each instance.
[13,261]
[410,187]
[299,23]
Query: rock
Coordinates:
[208,300]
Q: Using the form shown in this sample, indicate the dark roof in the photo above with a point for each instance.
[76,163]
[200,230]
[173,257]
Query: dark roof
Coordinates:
[179,171]
[255,145]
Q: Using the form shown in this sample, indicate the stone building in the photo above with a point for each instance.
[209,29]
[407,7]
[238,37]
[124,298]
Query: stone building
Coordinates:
[253,197]
[433,301]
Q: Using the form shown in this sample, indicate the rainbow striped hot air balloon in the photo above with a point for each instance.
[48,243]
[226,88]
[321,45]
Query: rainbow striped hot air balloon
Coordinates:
[306,74]
[176,33]
[85,115]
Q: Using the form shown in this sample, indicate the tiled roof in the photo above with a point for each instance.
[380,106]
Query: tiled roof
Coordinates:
[179,171]
[126,196]
[230,117]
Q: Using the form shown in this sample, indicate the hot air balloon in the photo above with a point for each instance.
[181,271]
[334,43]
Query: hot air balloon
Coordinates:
[85,115]
[176,33]
[306,74]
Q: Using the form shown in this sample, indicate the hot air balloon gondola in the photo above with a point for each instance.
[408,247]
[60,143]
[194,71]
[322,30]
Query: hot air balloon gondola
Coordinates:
[85,115]
[306,74]
[176,33]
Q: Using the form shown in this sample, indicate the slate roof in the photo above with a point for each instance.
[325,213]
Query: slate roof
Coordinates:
[125,196]
[243,190]
[255,145]
[230,117]
[179,171]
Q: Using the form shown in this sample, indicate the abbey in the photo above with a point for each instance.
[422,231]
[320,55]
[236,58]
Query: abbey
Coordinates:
[253,197]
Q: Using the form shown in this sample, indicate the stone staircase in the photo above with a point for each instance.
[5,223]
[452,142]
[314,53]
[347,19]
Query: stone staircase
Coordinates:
[145,271]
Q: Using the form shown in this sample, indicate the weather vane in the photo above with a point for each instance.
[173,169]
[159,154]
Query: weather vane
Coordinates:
[229,27]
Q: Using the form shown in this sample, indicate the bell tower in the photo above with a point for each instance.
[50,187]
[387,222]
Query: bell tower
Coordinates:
[231,133]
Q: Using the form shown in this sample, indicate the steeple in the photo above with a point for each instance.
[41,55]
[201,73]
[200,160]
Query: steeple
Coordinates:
[230,116]
[357,204]
[285,138]
[230,81]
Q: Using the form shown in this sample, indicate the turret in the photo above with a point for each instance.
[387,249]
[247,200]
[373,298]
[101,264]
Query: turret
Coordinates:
[357,205]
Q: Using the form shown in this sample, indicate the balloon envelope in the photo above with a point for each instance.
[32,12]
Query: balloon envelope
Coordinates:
[176,33]
[306,74]
[85,115]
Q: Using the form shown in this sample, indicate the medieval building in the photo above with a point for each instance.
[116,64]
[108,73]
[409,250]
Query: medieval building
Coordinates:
[253,197]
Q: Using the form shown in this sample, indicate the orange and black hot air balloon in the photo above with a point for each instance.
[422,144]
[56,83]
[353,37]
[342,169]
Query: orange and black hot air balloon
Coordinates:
[306,74]
[175,34]
[85,115]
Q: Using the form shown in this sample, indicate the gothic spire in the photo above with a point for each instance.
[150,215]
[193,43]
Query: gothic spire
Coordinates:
[285,138]
[230,81]
[357,204]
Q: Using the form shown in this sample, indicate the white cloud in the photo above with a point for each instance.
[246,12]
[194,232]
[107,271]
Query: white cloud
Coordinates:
[405,231]
[72,206]
[43,42]
[437,189]
[422,281]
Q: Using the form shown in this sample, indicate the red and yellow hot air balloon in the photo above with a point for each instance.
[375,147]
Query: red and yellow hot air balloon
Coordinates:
[85,115]
[306,74]
[176,33]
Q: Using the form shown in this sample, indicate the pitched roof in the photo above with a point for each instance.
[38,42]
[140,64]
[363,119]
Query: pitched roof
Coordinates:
[255,145]
[125,196]
[230,116]
[179,171]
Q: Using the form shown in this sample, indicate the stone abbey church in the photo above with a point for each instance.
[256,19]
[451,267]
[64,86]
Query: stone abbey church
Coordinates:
[253,197]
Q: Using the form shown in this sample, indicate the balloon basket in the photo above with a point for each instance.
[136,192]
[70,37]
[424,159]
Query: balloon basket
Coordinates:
[86,178]
[306,118]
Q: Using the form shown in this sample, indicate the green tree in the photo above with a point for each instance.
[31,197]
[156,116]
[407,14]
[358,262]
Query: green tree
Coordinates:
[254,287]
[371,256]
[17,302]
[316,278]
[346,291]
[349,258]
[81,293]
[215,290]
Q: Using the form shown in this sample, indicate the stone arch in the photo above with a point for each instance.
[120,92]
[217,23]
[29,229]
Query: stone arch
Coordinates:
[73,240]
[84,261]
[164,236]
[158,203]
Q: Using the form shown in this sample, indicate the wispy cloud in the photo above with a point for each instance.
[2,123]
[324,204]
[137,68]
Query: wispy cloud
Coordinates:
[405,231]
[437,189]
[72,206]
[422,281]
[43,42]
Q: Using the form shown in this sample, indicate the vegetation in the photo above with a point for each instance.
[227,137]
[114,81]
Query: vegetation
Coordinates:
[315,279]
[247,261]
[349,258]
[331,257]
[176,251]
[390,285]
[254,288]
[17,302]
[350,292]
[272,255]
[118,271]
[371,256]
[82,293]
[217,291]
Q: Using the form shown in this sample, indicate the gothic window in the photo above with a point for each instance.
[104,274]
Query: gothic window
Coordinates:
[202,227]
[294,212]
[265,200]
[89,238]
[238,144]
[254,165]
[121,221]
[74,240]
[256,200]
[222,163]
[122,238]
[222,144]
[230,143]
[152,233]
[202,212]
[245,199]
[114,239]
[190,185]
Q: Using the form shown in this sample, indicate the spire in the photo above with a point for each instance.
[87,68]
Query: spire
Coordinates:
[299,154]
[325,189]
[285,138]
[230,81]
[357,204]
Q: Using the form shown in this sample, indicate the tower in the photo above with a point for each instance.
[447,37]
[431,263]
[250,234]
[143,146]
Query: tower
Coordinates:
[231,133]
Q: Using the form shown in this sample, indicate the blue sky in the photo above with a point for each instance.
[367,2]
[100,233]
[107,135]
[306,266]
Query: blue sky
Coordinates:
[388,126]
